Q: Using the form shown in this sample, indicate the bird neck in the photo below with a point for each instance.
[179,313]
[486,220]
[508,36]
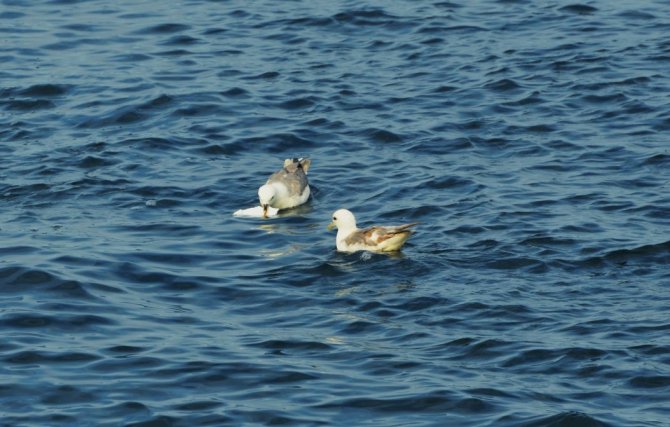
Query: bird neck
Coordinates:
[343,232]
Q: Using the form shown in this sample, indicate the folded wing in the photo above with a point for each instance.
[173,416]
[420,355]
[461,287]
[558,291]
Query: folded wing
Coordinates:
[383,238]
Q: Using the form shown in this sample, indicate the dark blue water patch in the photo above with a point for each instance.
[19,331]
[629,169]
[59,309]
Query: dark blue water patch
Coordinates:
[503,85]
[175,287]
[138,363]
[648,253]
[122,116]
[365,17]
[604,99]
[199,110]
[11,15]
[236,92]
[265,75]
[534,161]
[167,28]
[468,349]
[381,135]
[121,350]
[64,2]
[150,144]
[62,323]
[18,280]
[85,28]
[41,90]
[565,419]
[33,98]
[662,124]
[299,103]
[637,15]
[439,145]
[301,22]
[274,143]
[578,8]
[537,356]
[28,105]
[292,347]
[531,99]
[445,89]
[657,160]
[528,264]
[40,358]
[77,43]
[93,162]
[131,57]
[214,31]
[435,402]
[173,53]
[181,40]
[652,382]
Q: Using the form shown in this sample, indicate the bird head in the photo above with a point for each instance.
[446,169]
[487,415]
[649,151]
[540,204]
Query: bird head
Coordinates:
[266,195]
[342,219]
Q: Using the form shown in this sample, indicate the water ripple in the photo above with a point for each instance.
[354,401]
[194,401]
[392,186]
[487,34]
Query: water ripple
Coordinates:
[526,138]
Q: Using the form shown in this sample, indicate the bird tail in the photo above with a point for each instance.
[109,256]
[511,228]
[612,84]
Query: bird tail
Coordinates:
[303,162]
[401,228]
[395,243]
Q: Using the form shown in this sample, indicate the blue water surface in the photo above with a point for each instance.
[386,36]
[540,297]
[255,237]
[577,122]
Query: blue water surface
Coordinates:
[530,140]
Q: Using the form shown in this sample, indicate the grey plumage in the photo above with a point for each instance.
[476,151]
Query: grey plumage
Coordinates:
[293,175]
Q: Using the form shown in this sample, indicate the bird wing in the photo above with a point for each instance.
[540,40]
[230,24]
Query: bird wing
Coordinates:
[292,176]
[375,235]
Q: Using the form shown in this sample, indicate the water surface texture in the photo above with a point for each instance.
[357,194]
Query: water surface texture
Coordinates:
[530,140]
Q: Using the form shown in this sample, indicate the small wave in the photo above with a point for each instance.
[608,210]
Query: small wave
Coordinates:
[265,76]
[605,99]
[32,98]
[168,76]
[650,381]
[656,253]
[125,115]
[235,92]
[137,364]
[181,40]
[24,280]
[278,142]
[579,9]
[45,90]
[363,17]
[61,322]
[518,263]
[298,103]
[29,357]
[437,401]
[11,15]
[469,349]
[563,359]
[381,135]
[199,109]
[564,419]
[503,85]
[166,28]
[637,15]
[284,346]
[658,160]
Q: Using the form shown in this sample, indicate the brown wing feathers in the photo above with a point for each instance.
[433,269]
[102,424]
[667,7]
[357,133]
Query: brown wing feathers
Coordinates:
[374,235]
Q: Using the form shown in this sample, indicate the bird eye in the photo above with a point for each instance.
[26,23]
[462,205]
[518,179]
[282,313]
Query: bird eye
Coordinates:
[334,218]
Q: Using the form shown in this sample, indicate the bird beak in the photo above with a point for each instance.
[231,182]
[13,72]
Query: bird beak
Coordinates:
[265,211]
[331,225]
